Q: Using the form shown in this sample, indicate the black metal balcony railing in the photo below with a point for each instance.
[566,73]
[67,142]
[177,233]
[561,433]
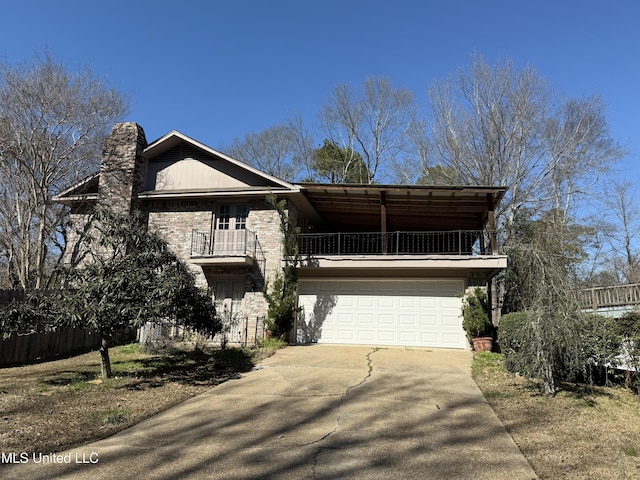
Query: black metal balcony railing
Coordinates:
[458,242]
[225,243]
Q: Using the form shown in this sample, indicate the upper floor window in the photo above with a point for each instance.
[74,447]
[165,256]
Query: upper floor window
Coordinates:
[224,217]
[241,217]
[232,217]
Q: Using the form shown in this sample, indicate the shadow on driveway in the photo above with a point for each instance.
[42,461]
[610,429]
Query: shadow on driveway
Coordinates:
[317,412]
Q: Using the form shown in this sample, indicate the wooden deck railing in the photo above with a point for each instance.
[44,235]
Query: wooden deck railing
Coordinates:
[613,296]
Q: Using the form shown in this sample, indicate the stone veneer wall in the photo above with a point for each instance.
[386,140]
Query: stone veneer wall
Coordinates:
[78,223]
[266,222]
[175,221]
[263,220]
[122,169]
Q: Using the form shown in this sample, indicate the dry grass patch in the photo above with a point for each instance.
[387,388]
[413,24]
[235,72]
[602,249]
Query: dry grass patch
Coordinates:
[56,405]
[581,433]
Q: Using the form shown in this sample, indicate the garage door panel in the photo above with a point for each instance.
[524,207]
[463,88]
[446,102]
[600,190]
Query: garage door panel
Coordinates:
[408,320]
[402,288]
[347,301]
[449,289]
[450,302]
[384,312]
[366,336]
[365,302]
[385,301]
[450,321]
[408,338]
[407,302]
[366,319]
[427,338]
[328,336]
[386,319]
[452,340]
[428,302]
[321,287]
[429,320]
[346,335]
[387,336]
[346,318]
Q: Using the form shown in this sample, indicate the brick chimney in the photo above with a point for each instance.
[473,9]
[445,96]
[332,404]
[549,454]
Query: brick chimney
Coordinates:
[122,170]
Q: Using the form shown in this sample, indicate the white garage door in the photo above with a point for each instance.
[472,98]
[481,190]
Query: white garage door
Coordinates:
[382,312]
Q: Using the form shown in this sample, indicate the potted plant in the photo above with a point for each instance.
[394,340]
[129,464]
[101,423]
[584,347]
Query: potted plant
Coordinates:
[476,320]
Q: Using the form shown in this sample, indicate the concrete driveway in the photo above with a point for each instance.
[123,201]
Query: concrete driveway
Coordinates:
[316,412]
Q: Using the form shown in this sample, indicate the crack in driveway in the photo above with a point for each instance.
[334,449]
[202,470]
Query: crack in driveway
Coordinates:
[339,416]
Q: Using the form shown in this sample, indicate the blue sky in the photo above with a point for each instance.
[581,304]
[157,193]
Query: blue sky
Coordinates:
[217,70]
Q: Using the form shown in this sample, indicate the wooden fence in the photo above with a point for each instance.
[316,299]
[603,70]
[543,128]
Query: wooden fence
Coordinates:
[32,347]
[16,348]
[7,295]
[36,346]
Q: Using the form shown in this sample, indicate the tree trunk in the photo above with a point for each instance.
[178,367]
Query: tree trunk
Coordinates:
[549,380]
[41,247]
[104,355]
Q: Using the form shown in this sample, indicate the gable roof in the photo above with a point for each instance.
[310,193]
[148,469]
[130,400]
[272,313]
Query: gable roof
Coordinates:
[87,189]
[175,138]
[82,191]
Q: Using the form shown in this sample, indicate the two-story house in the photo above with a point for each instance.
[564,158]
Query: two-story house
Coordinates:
[380,264]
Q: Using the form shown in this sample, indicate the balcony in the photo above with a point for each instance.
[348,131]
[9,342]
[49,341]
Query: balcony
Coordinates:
[225,248]
[457,242]
[459,253]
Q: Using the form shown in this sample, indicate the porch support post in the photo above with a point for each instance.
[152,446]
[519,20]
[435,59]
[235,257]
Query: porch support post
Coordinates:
[491,223]
[212,233]
[383,220]
[492,289]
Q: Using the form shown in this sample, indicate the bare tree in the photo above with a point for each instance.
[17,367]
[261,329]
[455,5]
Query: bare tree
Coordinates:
[497,125]
[373,122]
[302,143]
[414,165]
[622,236]
[277,150]
[580,150]
[52,123]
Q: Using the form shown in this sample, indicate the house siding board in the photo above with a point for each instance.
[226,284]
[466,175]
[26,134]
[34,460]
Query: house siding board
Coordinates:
[189,173]
[188,167]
